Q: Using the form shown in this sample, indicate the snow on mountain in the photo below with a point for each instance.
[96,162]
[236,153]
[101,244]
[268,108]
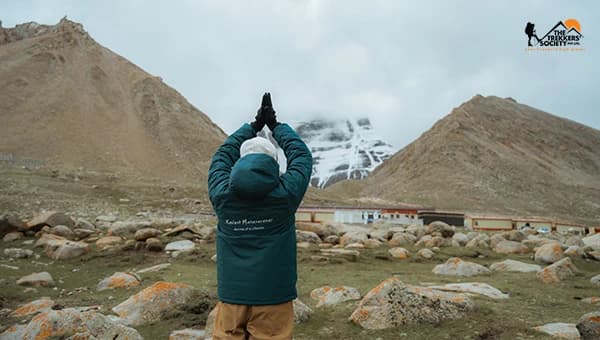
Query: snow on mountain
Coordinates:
[342,149]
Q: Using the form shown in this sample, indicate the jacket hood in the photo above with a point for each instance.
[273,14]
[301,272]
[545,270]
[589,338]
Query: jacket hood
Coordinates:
[254,176]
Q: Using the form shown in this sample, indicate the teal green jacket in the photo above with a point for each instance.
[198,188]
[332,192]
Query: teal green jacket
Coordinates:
[255,206]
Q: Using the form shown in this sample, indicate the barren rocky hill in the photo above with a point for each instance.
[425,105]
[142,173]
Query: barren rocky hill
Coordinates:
[494,155]
[70,102]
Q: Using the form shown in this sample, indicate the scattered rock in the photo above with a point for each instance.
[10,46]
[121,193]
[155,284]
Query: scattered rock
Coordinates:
[574,241]
[460,238]
[560,330]
[81,233]
[2,265]
[497,238]
[322,230]
[327,296]
[353,237]
[595,280]
[303,245]
[319,258]
[372,243]
[534,241]
[63,231]
[416,230]
[591,300]
[119,280]
[17,253]
[153,269]
[549,253]
[210,324]
[511,247]
[36,280]
[382,235]
[108,241]
[72,323]
[332,239]
[393,303]
[129,227]
[13,236]
[208,233]
[302,312]
[515,235]
[64,249]
[589,326]
[515,266]
[434,242]
[187,334]
[154,244]
[45,239]
[146,233]
[558,271]
[592,241]
[11,223]
[183,229]
[399,253]
[84,224]
[443,228]
[307,236]
[474,288]
[574,251]
[594,254]
[426,253]
[52,219]
[147,305]
[479,241]
[106,218]
[402,239]
[457,267]
[184,245]
[34,307]
[348,254]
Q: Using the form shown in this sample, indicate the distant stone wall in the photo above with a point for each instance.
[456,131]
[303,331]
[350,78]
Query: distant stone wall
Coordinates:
[16,160]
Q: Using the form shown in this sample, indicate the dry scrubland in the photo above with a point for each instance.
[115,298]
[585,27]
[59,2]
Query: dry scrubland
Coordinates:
[531,302]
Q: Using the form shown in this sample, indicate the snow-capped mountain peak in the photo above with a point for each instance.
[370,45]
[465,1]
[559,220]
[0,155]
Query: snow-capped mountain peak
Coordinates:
[342,149]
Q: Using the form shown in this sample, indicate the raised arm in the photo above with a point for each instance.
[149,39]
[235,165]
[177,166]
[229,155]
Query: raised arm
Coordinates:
[299,161]
[224,159]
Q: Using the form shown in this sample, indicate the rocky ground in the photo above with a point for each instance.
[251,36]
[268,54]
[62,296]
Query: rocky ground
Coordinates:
[128,277]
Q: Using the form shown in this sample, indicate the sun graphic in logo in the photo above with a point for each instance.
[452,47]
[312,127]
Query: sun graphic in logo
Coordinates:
[572,23]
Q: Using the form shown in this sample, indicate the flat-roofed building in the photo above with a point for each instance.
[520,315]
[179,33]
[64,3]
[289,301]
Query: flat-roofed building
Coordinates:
[450,217]
[358,215]
[491,223]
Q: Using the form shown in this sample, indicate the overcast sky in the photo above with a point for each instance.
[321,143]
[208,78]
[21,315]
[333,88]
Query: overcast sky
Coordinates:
[403,64]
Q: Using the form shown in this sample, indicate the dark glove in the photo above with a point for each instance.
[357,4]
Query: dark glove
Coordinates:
[268,112]
[259,121]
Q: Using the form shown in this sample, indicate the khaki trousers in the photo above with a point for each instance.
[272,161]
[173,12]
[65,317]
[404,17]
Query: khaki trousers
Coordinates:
[254,322]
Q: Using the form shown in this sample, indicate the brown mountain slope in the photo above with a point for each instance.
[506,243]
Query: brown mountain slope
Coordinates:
[68,101]
[494,155]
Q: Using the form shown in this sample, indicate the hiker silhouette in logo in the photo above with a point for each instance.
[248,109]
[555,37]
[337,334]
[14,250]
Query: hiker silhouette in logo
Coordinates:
[530,31]
[256,235]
